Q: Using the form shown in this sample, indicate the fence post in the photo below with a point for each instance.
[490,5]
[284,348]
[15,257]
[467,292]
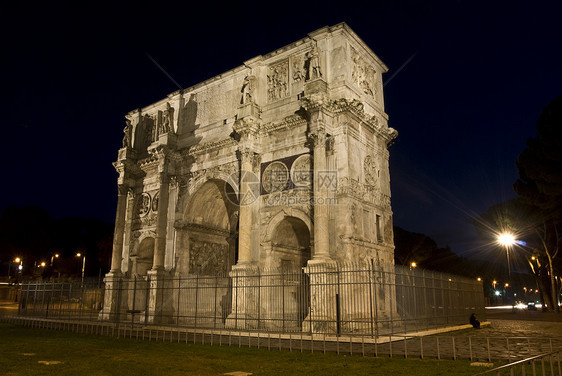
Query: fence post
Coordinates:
[69,298]
[147,298]
[61,284]
[178,305]
[338,317]
[214,303]
[21,298]
[196,296]
[81,301]
[282,296]
[371,295]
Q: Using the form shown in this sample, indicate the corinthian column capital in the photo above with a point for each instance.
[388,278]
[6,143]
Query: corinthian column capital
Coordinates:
[318,138]
[247,155]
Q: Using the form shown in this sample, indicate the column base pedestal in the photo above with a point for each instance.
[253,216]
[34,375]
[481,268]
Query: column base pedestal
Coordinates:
[245,297]
[114,300]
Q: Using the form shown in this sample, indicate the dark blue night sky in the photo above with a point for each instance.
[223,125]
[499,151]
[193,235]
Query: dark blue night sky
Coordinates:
[466,83]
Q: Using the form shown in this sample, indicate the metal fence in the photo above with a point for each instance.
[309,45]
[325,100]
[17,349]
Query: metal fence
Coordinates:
[65,300]
[350,299]
[545,364]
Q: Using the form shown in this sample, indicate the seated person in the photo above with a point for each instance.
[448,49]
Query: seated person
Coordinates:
[475,323]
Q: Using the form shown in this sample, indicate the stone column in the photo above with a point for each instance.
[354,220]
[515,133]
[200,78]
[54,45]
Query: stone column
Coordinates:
[171,234]
[127,236]
[113,298]
[321,235]
[159,308]
[119,229]
[245,274]
[161,224]
[246,198]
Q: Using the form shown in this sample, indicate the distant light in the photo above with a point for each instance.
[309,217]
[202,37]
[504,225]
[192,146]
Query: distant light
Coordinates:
[520,242]
[521,306]
[56,255]
[506,239]
[413,264]
[479,279]
[498,293]
[17,259]
[507,285]
[43,264]
[78,254]
[20,267]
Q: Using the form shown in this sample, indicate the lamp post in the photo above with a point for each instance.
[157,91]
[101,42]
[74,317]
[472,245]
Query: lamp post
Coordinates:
[16,260]
[83,264]
[53,257]
[507,240]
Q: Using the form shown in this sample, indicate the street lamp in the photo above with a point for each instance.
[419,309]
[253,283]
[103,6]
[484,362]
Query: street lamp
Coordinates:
[507,240]
[413,265]
[56,255]
[83,265]
[17,261]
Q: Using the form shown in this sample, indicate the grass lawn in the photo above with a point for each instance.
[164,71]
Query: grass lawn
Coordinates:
[24,351]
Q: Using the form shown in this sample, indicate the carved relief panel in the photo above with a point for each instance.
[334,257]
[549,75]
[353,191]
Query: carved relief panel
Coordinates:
[370,170]
[144,203]
[208,258]
[278,81]
[275,177]
[298,72]
[286,174]
[363,75]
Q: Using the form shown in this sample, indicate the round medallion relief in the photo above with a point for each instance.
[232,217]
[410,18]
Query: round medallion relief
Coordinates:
[301,172]
[144,204]
[155,200]
[275,177]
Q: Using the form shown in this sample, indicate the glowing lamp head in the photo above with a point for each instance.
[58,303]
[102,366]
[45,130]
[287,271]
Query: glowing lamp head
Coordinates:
[506,239]
[413,264]
[17,259]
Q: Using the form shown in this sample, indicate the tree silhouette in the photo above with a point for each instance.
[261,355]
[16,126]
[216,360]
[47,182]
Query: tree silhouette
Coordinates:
[540,184]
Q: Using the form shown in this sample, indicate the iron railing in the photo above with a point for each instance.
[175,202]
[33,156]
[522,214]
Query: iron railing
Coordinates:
[545,364]
[350,299]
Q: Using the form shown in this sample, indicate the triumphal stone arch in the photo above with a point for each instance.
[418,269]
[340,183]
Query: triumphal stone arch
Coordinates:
[280,163]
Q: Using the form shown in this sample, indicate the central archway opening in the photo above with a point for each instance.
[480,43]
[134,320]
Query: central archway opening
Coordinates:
[212,222]
[142,262]
[291,243]
[290,303]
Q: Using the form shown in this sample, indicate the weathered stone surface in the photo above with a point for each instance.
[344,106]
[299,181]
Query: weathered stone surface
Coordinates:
[280,162]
